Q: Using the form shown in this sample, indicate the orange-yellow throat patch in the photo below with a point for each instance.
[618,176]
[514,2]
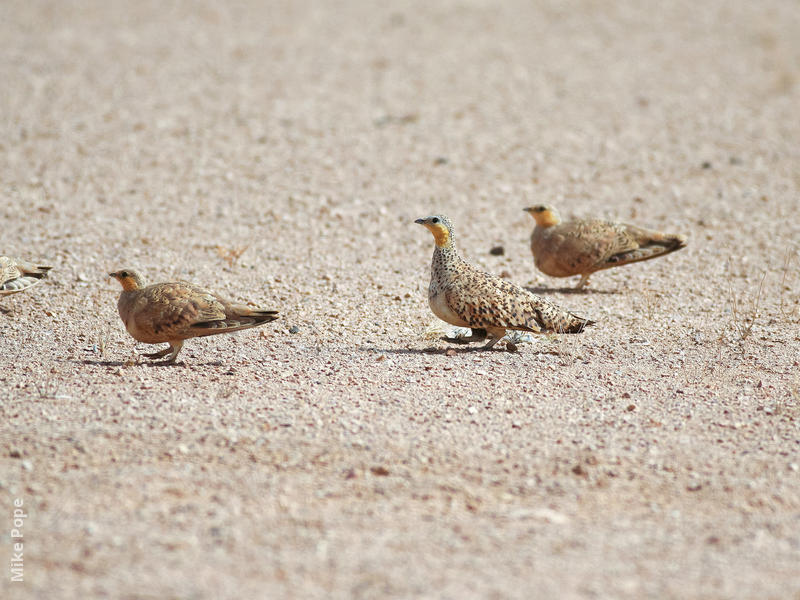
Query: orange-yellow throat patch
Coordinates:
[128,283]
[546,218]
[440,234]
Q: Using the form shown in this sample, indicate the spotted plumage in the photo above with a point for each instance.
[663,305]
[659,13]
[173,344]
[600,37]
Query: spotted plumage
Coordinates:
[463,295]
[176,311]
[18,275]
[585,246]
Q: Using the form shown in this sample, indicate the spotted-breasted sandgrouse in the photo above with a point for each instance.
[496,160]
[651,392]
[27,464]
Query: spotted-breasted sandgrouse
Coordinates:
[463,295]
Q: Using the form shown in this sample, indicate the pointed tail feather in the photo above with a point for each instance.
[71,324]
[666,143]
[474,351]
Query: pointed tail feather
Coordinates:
[256,318]
[576,324]
[652,248]
[35,270]
[264,316]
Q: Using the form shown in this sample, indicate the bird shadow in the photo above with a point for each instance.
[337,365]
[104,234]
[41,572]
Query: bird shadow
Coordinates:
[442,351]
[155,363]
[543,289]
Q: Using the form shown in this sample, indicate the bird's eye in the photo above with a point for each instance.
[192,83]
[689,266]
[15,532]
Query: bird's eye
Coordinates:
[435,220]
[124,274]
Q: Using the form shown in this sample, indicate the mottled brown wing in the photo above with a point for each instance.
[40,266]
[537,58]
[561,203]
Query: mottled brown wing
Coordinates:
[169,310]
[588,245]
[488,308]
[644,244]
[237,317]
[486,301]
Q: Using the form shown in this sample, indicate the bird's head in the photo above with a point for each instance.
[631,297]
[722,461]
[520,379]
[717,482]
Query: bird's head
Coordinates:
[545,216]
[128,279]
[440,227]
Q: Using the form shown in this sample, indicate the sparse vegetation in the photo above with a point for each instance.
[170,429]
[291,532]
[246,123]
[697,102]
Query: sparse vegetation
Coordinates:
[744,314]
[651,299]
[789,304]
[230,255]
[103,335]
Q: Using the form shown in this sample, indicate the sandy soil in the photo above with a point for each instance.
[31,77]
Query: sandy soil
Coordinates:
[656,455]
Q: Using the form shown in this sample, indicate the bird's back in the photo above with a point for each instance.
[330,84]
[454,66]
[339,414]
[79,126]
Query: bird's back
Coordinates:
[577,247]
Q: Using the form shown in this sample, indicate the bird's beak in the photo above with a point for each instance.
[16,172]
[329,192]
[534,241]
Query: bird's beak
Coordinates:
[420,221]
[528,209]
[114,274]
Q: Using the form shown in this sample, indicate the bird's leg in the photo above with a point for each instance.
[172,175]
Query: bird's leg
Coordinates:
[583,282]
[176,347]
[494,336]
[478,335]
[172,351]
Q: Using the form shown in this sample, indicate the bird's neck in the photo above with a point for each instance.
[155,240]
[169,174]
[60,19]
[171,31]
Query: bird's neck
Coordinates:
[130,284]
[446,255]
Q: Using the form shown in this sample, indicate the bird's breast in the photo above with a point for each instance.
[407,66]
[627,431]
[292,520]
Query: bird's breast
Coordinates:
[442,310]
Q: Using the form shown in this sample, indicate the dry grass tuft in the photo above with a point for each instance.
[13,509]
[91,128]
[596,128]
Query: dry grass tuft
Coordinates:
[789,305]
[745,314]
[651,299]
[230,255]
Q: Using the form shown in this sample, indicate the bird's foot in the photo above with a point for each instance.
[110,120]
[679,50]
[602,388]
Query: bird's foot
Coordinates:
[171,352]
[463,340]
[168,362]
[478,335]
[159,354]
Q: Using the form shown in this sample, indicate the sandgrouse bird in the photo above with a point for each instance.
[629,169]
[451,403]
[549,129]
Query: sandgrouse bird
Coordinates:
[584,246]
[463,295]
[18,275]
[176,311]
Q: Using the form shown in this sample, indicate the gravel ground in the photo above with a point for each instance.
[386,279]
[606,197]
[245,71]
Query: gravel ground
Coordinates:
[278,153]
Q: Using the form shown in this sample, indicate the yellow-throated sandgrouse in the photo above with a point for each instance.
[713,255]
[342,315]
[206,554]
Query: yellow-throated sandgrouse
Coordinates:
[584,246]
[18,275]
[463,295]
[176,311]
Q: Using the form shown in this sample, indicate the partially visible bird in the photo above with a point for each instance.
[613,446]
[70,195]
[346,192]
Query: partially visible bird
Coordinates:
[463,295]
[176,311]
[18,275]
[584,246]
